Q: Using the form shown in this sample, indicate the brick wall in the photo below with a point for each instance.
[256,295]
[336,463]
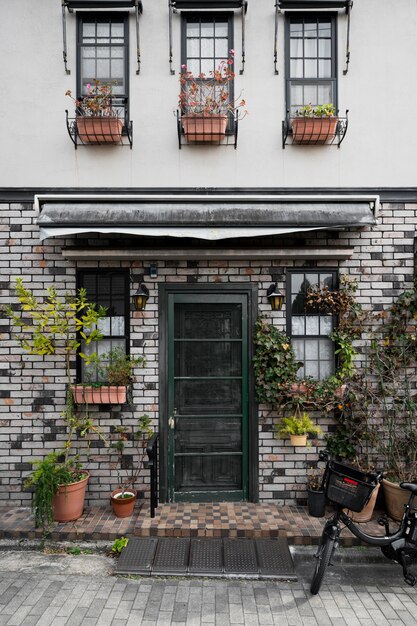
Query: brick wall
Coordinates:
[32,389]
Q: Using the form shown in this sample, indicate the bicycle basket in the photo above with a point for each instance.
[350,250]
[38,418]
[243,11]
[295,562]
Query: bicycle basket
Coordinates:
[349,487]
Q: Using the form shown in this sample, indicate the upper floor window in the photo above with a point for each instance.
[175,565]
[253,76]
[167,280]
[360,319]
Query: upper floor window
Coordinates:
[310,328]
[206,42]
[310,60]
[109,289]
[102,54]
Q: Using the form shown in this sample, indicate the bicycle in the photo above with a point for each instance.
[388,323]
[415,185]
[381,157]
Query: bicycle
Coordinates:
[348,488]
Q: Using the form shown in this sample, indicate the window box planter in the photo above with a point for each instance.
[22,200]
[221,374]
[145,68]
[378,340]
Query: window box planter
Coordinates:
[105,394]
[99,129]
[204,128]
[315,130]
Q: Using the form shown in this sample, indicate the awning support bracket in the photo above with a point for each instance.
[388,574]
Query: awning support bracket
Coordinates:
[137,4]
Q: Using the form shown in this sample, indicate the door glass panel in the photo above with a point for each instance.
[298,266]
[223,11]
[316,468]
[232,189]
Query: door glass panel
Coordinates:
[208,396]
[193,435]
[208,358]
[209,321]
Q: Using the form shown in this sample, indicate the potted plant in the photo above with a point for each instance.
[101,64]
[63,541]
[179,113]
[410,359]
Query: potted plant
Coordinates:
[97,120]
[124,497]
[49,327]
[297,427]
[315,492]
[314,124]
[206,103]
[115,371]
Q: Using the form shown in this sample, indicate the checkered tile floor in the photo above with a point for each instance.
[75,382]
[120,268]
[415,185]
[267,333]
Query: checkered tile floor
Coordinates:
[223,520]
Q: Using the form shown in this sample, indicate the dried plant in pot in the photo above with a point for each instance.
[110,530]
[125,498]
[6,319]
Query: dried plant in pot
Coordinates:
[123,498]
[206,104]
[315,492]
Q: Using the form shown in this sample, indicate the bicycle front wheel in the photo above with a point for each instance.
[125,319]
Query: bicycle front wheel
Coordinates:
[323,560]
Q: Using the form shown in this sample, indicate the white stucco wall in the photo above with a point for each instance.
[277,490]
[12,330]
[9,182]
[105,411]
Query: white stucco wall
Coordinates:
[379,90]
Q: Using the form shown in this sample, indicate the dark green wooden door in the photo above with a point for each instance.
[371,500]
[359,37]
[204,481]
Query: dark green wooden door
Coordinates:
[207,397]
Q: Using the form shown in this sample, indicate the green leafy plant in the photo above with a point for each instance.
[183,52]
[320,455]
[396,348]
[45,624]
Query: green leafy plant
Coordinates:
[299,424]
[120,367]
[53,326]
[321,110]
[119,544]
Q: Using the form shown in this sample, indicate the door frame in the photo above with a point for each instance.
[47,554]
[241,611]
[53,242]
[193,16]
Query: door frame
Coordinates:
[249,290]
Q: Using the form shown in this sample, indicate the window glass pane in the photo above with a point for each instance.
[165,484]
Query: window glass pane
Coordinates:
[88,69]
[207,66]
[297,325]
[89,29]
[222,50]
[104,325]
[193,29]
[326,350]
[296,282]
[103,70]
[325,48]
[103,52]
[325,29]
[311,350]
[326,325]
[325,68]
[310,68]
[117,325]
[310,48]
[311,368]
[298,303]
[310,95]
[117,67]
[117,53]
[207,29]
[117,30]
[310,29]
[296,68]
[297,97]
[296,48]
[193,66]
[88,53]
[296,29]
[324,94]
[326,369]
[311,280]
[312,325]
[207,47]
[193,48]
[222,29]
[298,345]
[326,279]
[103,30]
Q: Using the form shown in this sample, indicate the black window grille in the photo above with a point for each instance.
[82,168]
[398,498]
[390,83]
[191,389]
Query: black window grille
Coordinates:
[109,289]
[309,328]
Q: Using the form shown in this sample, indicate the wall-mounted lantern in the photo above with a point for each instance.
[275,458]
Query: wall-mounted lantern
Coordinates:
[275,297]
[140,298]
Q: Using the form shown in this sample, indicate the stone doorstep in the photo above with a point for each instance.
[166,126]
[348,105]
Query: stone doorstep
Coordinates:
[223,520]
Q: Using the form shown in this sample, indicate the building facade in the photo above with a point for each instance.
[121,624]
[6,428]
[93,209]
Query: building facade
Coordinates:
[207,227]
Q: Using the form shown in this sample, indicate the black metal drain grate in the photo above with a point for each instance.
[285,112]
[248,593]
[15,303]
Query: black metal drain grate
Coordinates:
[137,557]
[171,556]
[206,557]
[274,558]
[166,556]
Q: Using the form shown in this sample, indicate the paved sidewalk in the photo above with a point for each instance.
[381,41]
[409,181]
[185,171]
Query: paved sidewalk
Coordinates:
[353,594]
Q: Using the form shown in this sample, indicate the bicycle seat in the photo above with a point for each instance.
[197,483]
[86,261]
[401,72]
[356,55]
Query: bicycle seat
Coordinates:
[410,487]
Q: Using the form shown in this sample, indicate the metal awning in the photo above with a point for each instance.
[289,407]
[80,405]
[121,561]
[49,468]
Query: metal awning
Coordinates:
[209,218]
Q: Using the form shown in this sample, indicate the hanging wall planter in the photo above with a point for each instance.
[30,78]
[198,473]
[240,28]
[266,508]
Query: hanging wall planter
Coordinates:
[104,394]
[209,128]
[99,130]
[315,130]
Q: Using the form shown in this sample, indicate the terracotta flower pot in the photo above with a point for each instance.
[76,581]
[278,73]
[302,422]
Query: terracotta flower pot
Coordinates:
[366,514]
[123,507]
[68,503]
[105,394]
[313,129]
[395,499]
[298,440]
[99,129]
[204,127]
